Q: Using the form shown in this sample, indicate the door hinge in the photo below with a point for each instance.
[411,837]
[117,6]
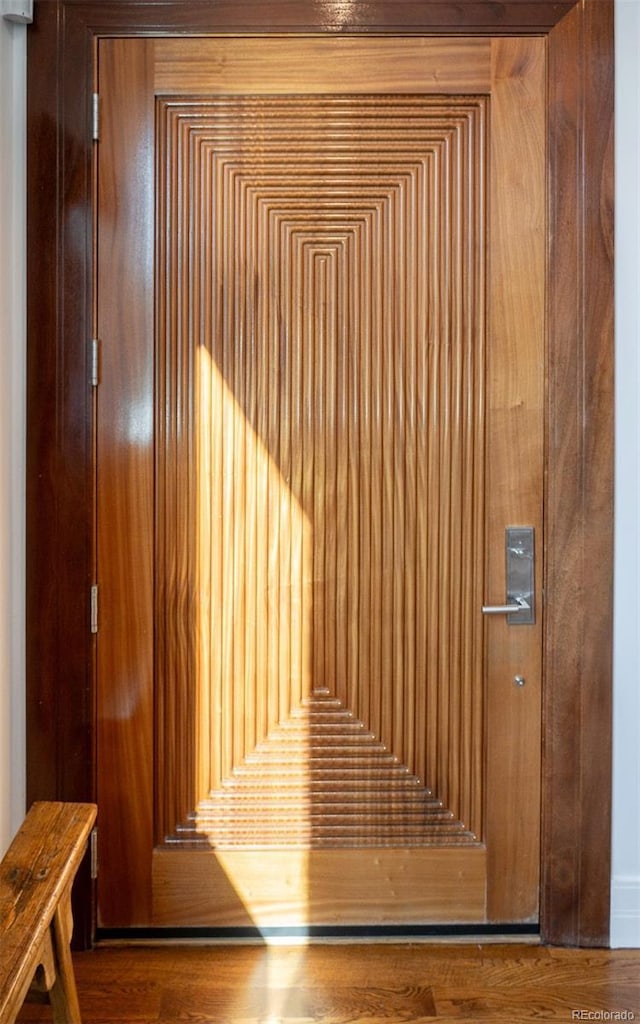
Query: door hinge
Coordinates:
[93,852]
[95,362]
[95,117]
[94,608]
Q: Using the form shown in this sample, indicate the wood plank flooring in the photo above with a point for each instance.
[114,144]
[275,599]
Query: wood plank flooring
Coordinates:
[337,984]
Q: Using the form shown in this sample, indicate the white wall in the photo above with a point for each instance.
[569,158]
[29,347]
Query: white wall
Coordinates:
[12,431]
[625,916]
[625,881]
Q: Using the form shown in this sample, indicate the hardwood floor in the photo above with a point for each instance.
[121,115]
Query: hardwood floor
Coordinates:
[336,984]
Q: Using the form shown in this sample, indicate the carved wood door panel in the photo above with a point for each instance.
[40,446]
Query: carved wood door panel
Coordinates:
[320,296]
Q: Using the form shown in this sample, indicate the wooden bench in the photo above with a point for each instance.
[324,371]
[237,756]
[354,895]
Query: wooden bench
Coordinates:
[36,875]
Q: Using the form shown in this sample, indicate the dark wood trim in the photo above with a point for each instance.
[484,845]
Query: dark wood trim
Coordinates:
[60,698]
[60,717]
[466,17]
[579,501]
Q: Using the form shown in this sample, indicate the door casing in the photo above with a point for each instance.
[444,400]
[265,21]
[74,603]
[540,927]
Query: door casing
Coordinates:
[576,782]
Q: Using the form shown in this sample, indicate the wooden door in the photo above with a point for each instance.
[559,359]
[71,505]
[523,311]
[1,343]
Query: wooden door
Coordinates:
[320,301]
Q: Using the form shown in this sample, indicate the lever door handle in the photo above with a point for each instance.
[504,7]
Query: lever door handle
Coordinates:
[519,595]
[520,605]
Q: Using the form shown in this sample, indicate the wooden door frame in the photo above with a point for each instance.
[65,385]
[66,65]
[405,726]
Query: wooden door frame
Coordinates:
[576,781]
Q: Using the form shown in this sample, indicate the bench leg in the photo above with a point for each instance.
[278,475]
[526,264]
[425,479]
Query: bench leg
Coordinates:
[63,993]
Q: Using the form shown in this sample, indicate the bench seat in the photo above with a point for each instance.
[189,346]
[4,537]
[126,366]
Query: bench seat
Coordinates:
[36,875]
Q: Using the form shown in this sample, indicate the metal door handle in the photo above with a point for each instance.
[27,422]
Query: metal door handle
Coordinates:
[519,597]
[507,609]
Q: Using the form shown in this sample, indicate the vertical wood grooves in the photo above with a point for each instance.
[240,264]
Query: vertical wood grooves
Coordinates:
[338,320]
[476,532]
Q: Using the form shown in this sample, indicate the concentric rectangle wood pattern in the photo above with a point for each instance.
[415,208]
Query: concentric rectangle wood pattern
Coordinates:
[320,464]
